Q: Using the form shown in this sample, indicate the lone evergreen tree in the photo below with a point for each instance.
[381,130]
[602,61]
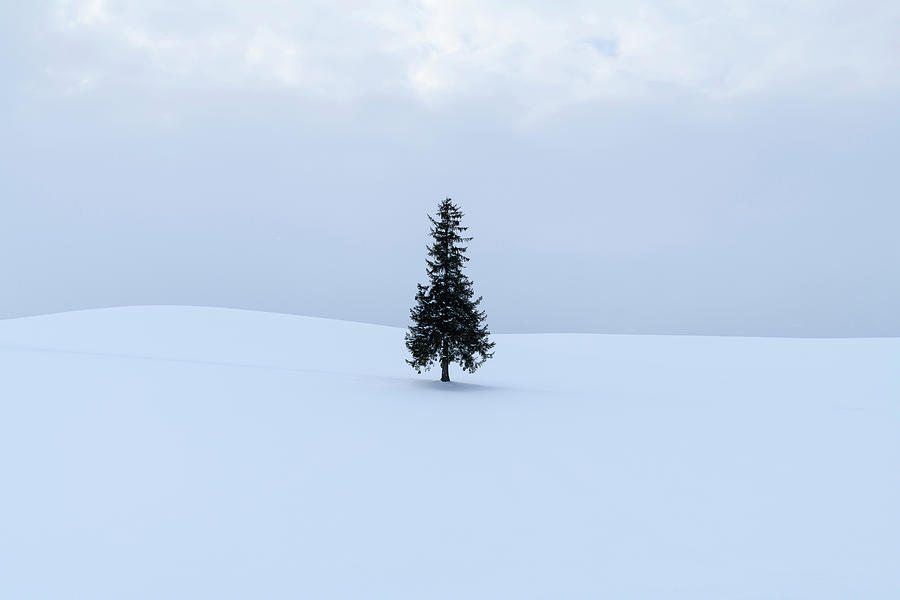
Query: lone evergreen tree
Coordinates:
[447,324]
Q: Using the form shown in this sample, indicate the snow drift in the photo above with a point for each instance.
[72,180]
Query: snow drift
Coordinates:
[174,452]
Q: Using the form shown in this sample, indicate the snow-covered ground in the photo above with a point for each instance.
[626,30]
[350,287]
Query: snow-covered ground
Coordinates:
[173,452]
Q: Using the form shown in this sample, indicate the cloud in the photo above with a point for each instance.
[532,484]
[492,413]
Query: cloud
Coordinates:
[542,55]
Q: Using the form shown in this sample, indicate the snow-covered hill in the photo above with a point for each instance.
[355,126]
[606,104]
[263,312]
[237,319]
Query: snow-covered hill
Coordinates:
[174,452]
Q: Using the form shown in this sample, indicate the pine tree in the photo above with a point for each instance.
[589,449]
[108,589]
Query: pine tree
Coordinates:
[447,324]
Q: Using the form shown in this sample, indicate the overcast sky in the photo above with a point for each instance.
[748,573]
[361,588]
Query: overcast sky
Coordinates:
[709,167]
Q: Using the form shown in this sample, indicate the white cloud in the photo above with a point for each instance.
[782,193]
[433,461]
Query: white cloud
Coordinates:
[542,54]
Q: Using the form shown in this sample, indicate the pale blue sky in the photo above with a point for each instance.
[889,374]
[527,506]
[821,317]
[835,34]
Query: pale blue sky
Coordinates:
[706,167]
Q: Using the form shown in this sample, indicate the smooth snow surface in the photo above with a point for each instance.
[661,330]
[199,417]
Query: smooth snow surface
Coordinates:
[174,452]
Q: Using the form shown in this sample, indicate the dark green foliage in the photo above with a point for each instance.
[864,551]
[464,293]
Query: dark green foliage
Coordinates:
[447,324]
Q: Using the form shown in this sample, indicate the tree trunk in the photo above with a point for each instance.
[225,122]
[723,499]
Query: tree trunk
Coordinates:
[445,369]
